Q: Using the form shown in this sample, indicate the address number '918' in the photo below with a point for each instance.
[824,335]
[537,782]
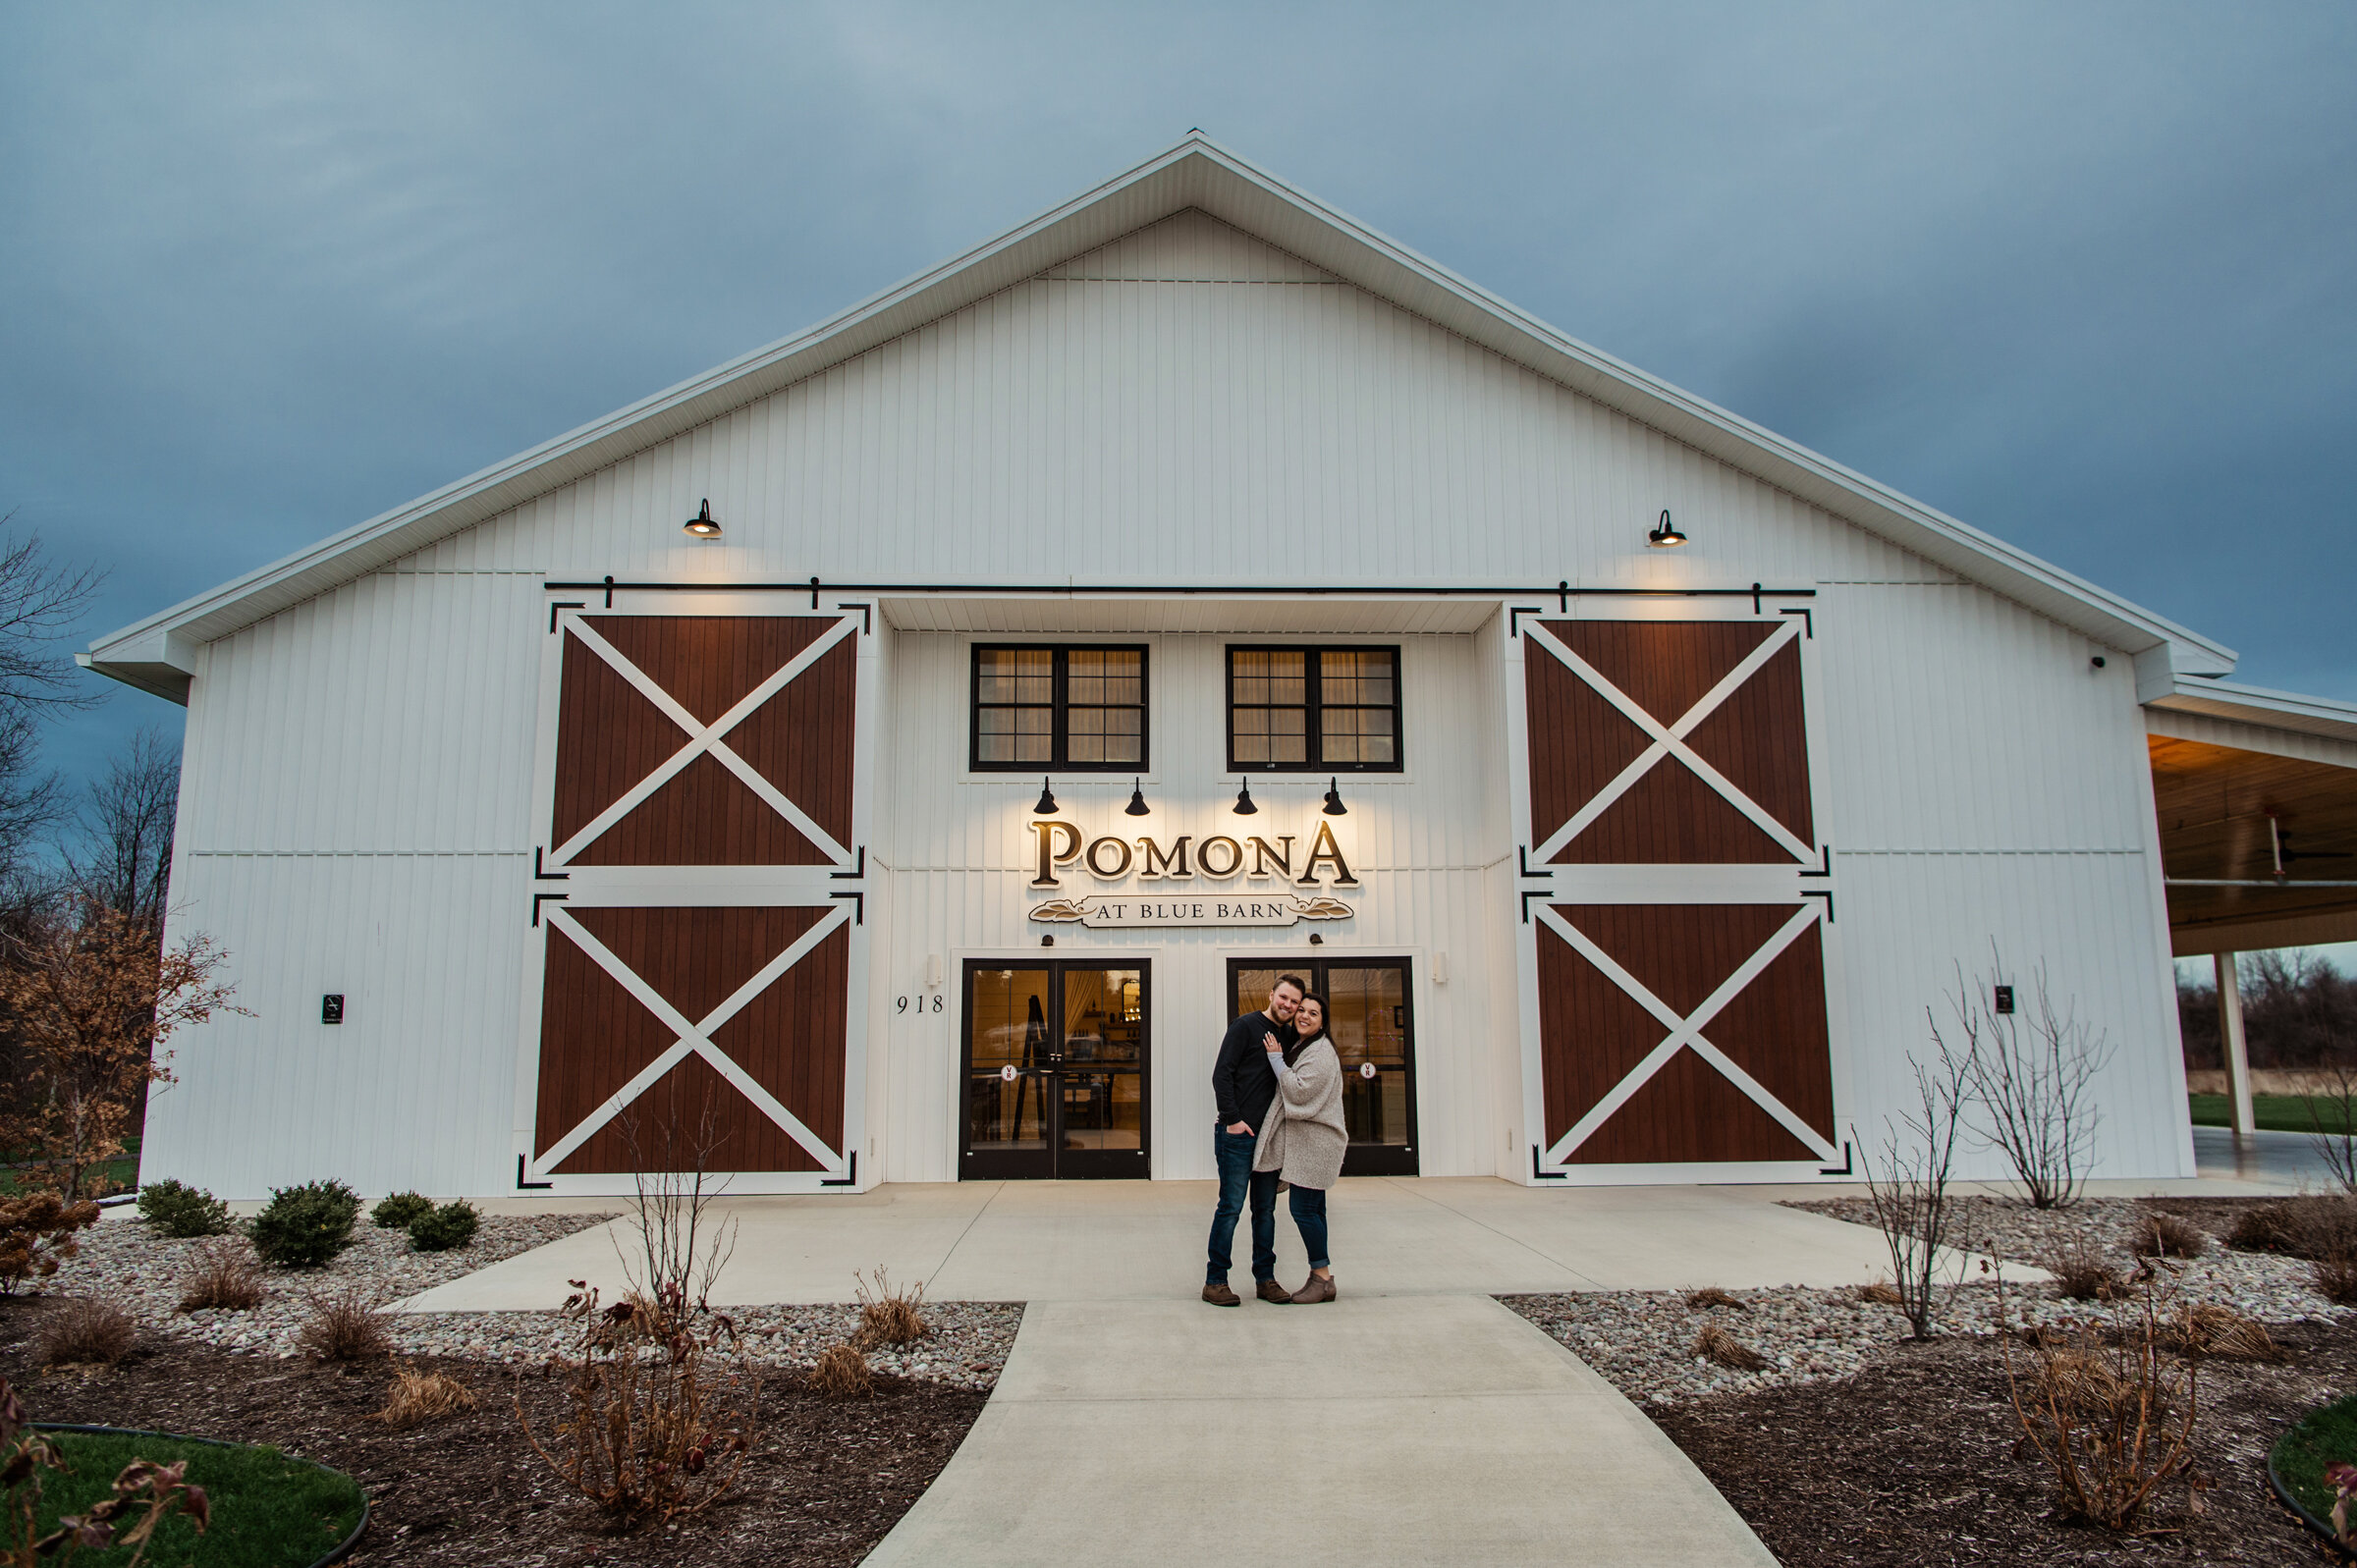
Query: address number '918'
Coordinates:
[917,1004]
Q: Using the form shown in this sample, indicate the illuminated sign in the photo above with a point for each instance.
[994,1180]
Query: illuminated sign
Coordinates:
[1190,881]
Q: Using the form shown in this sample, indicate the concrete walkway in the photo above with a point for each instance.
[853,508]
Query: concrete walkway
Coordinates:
[1143,1241]
[1409,1430]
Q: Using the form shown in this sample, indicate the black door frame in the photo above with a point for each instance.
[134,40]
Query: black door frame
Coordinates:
[1361,1158]
[1055,1162]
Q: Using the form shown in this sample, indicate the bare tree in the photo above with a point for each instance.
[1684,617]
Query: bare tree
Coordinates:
[40,605]
[125,862]
[1907,1180]
[2333,1120]
[2029,1073]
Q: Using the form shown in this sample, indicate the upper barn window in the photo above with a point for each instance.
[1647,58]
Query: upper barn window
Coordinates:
[1072,708]
[1319,710]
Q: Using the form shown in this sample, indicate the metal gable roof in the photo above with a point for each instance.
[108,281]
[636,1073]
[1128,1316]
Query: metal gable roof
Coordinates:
[157,654]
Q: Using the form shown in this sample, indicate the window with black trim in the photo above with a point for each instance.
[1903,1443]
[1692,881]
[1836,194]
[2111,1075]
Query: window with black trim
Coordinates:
[1313,710]
[1077,709]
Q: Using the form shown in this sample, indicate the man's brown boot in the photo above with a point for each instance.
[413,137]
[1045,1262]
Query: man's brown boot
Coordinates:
[1314,1290]
[1271,1290]
[1218,1295]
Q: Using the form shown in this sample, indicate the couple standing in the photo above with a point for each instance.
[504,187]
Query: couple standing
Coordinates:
[1278,1084]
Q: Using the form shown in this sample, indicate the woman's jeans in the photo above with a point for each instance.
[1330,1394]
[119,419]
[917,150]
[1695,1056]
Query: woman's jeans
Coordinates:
[1233,1152]
[1310,1213]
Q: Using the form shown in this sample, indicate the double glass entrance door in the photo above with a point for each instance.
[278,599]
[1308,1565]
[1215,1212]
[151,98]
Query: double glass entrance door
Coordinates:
[1055,1072]
[1372,1018]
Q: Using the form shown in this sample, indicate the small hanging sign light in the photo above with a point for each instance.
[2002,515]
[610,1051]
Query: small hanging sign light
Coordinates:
[1664,534]
[1047,802]
[1243,801]
[1137,806]
[1334,799]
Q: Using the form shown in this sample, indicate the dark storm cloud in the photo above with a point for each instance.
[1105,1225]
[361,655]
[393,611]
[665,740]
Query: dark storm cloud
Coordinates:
[2079,276]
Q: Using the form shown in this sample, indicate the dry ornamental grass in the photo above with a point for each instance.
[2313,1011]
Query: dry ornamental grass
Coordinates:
[2083,1273]
[2168,1235]
[1712,1296]
[2314,1228]
[842,1373]
[888,1317]
[85,1332]
[1882,1293]
[1716,1344]
[345,1327]
[222,1276]
[2210,1330]
[2336,1276]
[416,1398]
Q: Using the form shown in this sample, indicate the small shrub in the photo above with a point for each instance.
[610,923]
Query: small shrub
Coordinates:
[83,1331]
[888,1317]
[1882,1293]
[2112,1422]
[416,1398]
[222,1277]
[37,1235]
[2083,1273]
[2337,1277]
[1712,1296]
[395,1212]
[2312,1229]
[306,1226]
[345,1327]
[842,1373]
[440,1230]
[2158,1234]
[181,1211]
[1716,1344]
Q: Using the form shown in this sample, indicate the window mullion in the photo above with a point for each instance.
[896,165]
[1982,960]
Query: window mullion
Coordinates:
[1058,709]
[1313,719]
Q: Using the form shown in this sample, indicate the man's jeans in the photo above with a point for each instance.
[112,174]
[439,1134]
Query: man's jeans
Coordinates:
[1232,1150]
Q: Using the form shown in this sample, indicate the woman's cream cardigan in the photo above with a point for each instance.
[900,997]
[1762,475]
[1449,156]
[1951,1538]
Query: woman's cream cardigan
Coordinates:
[1304,1137]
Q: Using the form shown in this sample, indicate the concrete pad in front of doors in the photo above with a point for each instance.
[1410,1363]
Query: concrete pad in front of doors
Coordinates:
[1405,1429]
[1139,1240]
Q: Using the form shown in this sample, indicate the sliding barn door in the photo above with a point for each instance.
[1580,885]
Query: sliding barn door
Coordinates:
[699,896]
[1674,896]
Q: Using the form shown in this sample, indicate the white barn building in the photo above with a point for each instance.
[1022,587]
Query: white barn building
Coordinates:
[530,817]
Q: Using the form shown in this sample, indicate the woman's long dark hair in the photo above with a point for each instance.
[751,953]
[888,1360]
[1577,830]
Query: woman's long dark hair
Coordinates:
[1325,1019]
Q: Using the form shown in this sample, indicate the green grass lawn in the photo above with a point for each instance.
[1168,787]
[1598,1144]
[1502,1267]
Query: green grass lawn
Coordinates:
[120,1175]
[269,1511]
[2273,1112]
[2301,1454]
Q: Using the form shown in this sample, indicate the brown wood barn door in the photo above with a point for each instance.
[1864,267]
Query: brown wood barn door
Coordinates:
[699,895]
[1674,895]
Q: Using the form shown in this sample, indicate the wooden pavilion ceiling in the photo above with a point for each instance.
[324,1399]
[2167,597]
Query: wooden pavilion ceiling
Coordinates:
[2213,804]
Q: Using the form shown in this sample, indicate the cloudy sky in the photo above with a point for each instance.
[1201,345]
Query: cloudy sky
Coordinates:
[2079,275]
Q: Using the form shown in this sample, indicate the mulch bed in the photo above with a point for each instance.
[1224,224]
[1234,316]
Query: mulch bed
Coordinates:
[1914,1461]
[823,1485]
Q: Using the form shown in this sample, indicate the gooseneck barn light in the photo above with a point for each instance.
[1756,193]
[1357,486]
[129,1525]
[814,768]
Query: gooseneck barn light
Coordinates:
[1047,802]
[1664,534]
[1334,799]
[1137,806]
[703,524]
[1243,801]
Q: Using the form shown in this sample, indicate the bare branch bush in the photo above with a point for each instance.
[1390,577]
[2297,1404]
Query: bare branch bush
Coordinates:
[2333,1131]
[661,1404]
[2030,1073]
[2112,1413]
[1907,1182]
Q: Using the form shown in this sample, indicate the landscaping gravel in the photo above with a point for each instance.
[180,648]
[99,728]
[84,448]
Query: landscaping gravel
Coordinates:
[126,1262]
[1643,1341]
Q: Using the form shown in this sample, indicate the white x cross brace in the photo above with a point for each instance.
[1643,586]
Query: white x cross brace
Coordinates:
[693,1037]
[1668,743]
[702,739]
[1686,1033]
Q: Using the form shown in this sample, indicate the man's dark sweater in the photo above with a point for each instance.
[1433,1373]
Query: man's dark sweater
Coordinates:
[1241,1080]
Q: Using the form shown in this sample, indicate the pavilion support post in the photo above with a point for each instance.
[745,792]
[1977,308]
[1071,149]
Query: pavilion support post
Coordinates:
[2238,1049]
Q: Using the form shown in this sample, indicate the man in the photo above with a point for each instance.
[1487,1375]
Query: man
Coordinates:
[1245,1085]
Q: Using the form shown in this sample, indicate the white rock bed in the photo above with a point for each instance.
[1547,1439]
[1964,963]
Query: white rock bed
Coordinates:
[126,1262]
[1642,1341]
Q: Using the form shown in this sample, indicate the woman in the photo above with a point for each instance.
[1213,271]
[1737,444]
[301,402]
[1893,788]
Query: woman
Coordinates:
[1304,1137]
